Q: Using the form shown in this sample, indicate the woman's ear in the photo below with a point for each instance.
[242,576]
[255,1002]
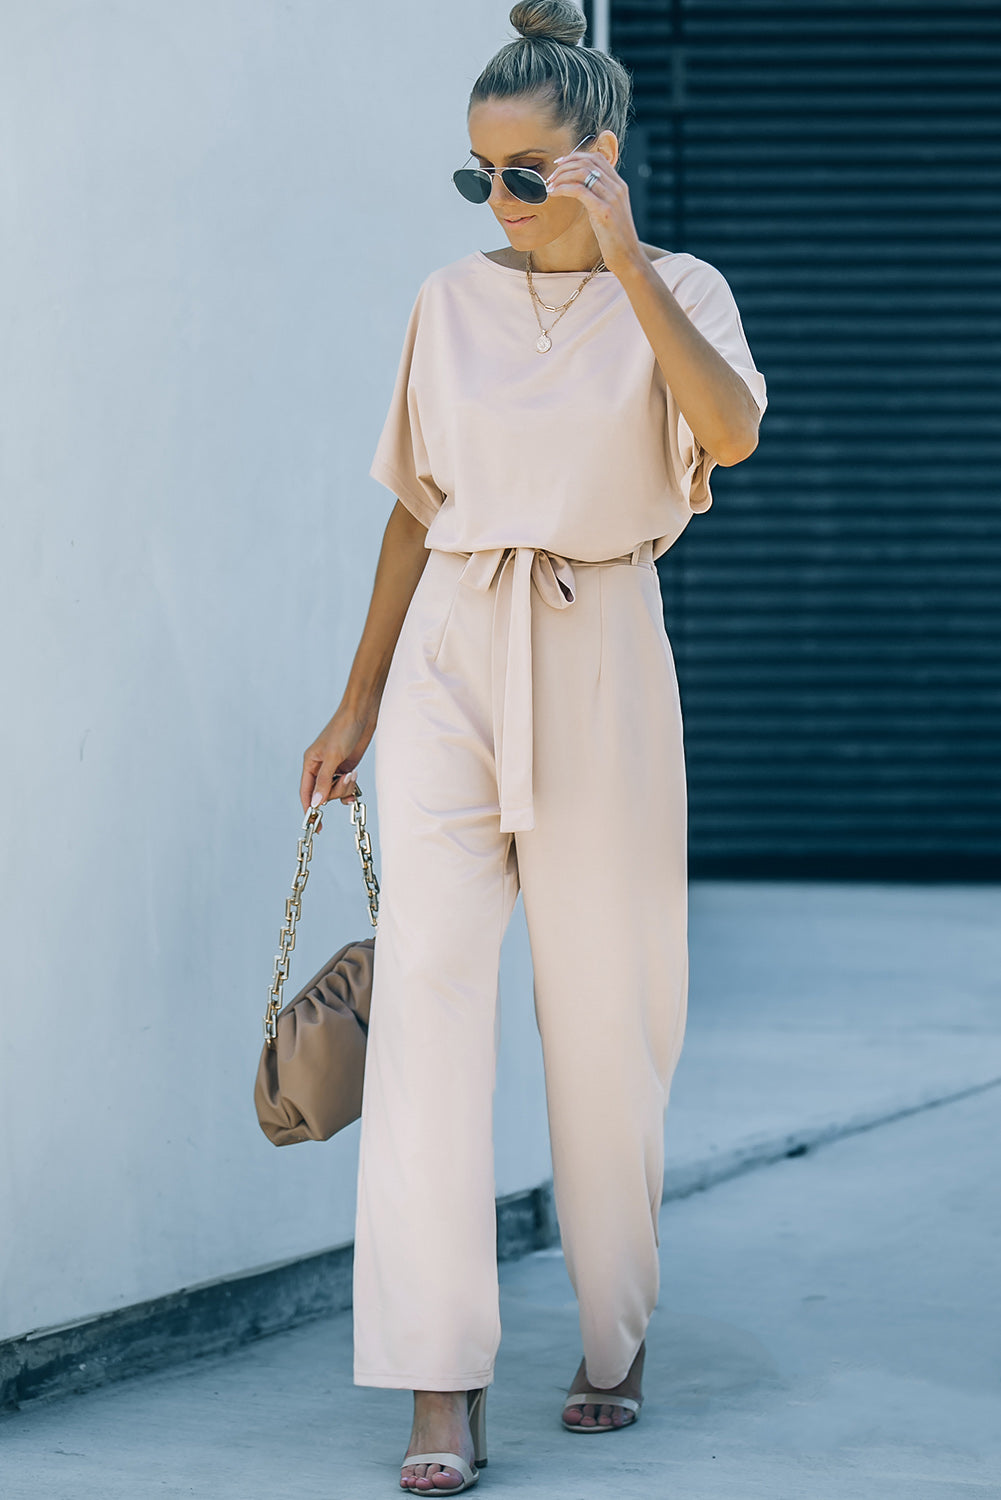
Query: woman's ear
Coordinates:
[607,144]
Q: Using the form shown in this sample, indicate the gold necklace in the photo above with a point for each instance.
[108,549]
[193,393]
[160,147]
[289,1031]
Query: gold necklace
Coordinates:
[544,343]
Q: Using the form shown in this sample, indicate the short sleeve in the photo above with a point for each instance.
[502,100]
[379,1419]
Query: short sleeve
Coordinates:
[707,299]
[401,460]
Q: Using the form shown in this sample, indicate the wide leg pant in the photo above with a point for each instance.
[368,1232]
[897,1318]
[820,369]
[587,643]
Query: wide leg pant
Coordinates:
[596,841]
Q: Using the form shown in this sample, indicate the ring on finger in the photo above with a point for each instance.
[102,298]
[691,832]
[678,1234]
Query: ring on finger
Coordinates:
[592,177]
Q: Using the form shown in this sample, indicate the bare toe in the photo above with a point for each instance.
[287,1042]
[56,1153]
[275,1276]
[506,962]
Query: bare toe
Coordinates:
[441,1479]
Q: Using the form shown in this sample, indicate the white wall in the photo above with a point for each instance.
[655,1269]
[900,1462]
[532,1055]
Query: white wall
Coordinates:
[216,214]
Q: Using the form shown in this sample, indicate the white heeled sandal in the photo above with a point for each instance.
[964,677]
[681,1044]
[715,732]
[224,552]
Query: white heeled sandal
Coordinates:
[599,1398]
[476,1406]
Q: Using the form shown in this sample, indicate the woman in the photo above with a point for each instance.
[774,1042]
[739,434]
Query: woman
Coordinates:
[558,408]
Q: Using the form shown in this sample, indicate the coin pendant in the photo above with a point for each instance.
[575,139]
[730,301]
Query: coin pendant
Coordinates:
[544,343]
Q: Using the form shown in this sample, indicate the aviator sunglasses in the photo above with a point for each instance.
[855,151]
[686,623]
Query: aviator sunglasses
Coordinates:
[476,183]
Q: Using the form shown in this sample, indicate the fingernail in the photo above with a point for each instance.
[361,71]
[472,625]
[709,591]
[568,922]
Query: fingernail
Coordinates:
[315,800]
[557,158]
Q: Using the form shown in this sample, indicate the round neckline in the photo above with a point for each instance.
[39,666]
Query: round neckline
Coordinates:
[513,271]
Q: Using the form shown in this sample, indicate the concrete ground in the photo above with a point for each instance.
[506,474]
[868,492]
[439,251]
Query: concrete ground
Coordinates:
[829,1324]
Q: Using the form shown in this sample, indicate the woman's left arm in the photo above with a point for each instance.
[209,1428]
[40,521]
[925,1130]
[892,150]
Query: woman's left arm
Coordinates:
[715,401]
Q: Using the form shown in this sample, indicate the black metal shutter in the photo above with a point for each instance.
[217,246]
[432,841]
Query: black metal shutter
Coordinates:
[835,614]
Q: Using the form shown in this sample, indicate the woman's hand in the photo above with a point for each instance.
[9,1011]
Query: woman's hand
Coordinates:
[333,756]
[606,202]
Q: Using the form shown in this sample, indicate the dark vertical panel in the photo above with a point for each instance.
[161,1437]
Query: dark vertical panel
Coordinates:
[835,616]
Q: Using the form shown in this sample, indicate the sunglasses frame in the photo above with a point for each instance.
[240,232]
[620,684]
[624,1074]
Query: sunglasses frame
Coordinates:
[490,173]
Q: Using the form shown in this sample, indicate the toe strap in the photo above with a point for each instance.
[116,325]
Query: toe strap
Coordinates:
[447,1460]
[596,1398]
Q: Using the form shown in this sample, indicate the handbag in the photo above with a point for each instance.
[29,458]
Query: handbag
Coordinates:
[312,1065]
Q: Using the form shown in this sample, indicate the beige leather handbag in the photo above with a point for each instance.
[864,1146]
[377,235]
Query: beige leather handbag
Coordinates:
[309,1078]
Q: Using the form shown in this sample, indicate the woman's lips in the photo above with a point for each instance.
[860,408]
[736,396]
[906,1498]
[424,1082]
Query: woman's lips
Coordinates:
[522,219]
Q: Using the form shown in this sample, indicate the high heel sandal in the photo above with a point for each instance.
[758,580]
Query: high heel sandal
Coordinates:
[598,1398]
[476,1407]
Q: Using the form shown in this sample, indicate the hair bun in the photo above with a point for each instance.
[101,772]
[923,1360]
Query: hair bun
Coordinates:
[549,21]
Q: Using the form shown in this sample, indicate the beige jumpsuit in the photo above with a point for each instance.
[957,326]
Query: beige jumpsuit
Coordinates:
[532,669]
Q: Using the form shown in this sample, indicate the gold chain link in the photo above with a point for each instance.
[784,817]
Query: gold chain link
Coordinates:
[537,301]
[364,845]
[311,825]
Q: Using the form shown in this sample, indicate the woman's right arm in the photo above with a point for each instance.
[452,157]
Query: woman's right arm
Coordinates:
[339,747]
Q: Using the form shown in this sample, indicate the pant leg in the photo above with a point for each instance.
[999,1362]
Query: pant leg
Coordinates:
[604,885]
[426,1310]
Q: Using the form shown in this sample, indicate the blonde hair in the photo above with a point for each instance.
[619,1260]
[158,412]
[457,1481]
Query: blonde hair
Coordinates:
[587,90]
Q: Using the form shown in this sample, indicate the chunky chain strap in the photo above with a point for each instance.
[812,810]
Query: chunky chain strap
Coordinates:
[311,825]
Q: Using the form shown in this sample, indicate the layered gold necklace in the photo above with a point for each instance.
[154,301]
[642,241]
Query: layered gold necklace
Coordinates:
[544,343]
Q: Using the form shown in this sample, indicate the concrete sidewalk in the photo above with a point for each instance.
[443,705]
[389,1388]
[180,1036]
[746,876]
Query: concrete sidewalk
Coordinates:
[820,1008]
[828,1327]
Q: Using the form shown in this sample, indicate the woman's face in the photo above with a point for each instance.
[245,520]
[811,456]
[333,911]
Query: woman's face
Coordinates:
[520,133]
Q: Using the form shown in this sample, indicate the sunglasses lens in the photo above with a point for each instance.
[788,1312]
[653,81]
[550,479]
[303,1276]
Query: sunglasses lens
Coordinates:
[473,185]
[524,184]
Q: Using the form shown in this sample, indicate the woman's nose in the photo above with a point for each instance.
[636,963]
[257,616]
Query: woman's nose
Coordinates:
[500,195]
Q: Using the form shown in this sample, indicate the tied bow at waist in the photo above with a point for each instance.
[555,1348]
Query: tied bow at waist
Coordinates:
[518,570]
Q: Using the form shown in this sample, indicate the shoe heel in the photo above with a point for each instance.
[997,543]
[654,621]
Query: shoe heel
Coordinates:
[476,1404]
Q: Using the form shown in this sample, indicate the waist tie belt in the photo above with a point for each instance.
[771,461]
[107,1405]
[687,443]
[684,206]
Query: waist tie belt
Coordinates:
[516,570]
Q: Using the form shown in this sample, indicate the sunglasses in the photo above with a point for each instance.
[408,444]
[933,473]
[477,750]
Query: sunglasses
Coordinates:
[476,183]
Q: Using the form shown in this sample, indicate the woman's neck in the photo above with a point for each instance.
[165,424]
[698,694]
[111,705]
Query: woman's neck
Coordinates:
[580,252]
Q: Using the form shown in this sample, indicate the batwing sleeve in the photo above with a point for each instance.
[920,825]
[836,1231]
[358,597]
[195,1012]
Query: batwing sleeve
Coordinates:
[707,299]
[401,459]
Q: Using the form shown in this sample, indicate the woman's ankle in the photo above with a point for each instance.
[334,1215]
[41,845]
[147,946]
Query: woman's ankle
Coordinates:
[447,1400]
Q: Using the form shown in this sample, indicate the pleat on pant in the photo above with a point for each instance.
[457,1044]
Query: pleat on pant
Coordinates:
[603,879]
